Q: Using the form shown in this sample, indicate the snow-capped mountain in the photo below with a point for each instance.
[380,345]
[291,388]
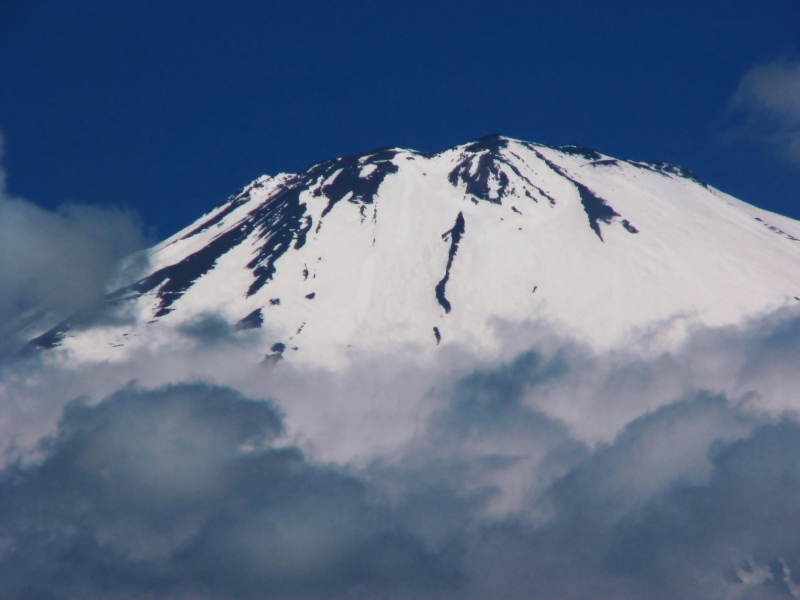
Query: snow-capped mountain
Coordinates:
[402,251]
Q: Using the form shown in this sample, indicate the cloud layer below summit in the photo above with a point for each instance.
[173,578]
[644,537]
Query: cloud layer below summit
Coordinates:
[555,473]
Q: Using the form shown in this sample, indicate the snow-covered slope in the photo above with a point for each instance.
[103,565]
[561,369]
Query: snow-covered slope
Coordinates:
[398,251]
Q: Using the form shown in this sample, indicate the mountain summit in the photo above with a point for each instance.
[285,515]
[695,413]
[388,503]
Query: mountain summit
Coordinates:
[402,251]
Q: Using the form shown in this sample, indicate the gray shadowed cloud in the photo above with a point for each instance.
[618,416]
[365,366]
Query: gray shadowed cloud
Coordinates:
[58,261]
[695,498]
[768,100]
[556,474]
[182,490]
[717,520]
[187,491]
[209,329]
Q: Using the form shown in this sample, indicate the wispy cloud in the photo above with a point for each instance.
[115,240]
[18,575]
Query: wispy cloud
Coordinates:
[768,101]
[58,261]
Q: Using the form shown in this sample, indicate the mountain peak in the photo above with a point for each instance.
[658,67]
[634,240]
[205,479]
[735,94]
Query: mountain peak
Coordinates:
[376,250]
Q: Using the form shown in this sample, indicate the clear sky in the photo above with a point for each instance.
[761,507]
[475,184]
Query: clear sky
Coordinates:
[168,107]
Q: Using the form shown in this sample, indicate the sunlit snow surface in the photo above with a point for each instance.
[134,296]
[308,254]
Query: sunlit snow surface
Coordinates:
[611,251]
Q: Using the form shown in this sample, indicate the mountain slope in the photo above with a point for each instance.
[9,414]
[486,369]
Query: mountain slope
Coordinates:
[398,251]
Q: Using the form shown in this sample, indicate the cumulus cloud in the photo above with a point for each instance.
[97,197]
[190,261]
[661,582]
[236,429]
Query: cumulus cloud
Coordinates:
[613,534]
[182,490]
[57,261]
[768,97]
[556,473]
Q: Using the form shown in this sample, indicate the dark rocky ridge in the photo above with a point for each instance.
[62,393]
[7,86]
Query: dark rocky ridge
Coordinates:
[281,222]
[455,235]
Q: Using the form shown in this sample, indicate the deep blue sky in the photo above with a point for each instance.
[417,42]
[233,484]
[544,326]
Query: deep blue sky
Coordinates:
[168,107]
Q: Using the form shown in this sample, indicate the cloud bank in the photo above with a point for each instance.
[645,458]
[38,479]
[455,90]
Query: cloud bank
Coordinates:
[555,474]
[768,98]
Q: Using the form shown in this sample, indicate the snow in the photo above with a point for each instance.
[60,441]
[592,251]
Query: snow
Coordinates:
[700,256]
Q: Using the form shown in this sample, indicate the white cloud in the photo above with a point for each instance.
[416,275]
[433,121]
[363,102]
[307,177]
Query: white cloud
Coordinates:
[768,97]
[495,486]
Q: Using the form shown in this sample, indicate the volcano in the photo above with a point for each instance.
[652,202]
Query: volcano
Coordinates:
[394,250]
